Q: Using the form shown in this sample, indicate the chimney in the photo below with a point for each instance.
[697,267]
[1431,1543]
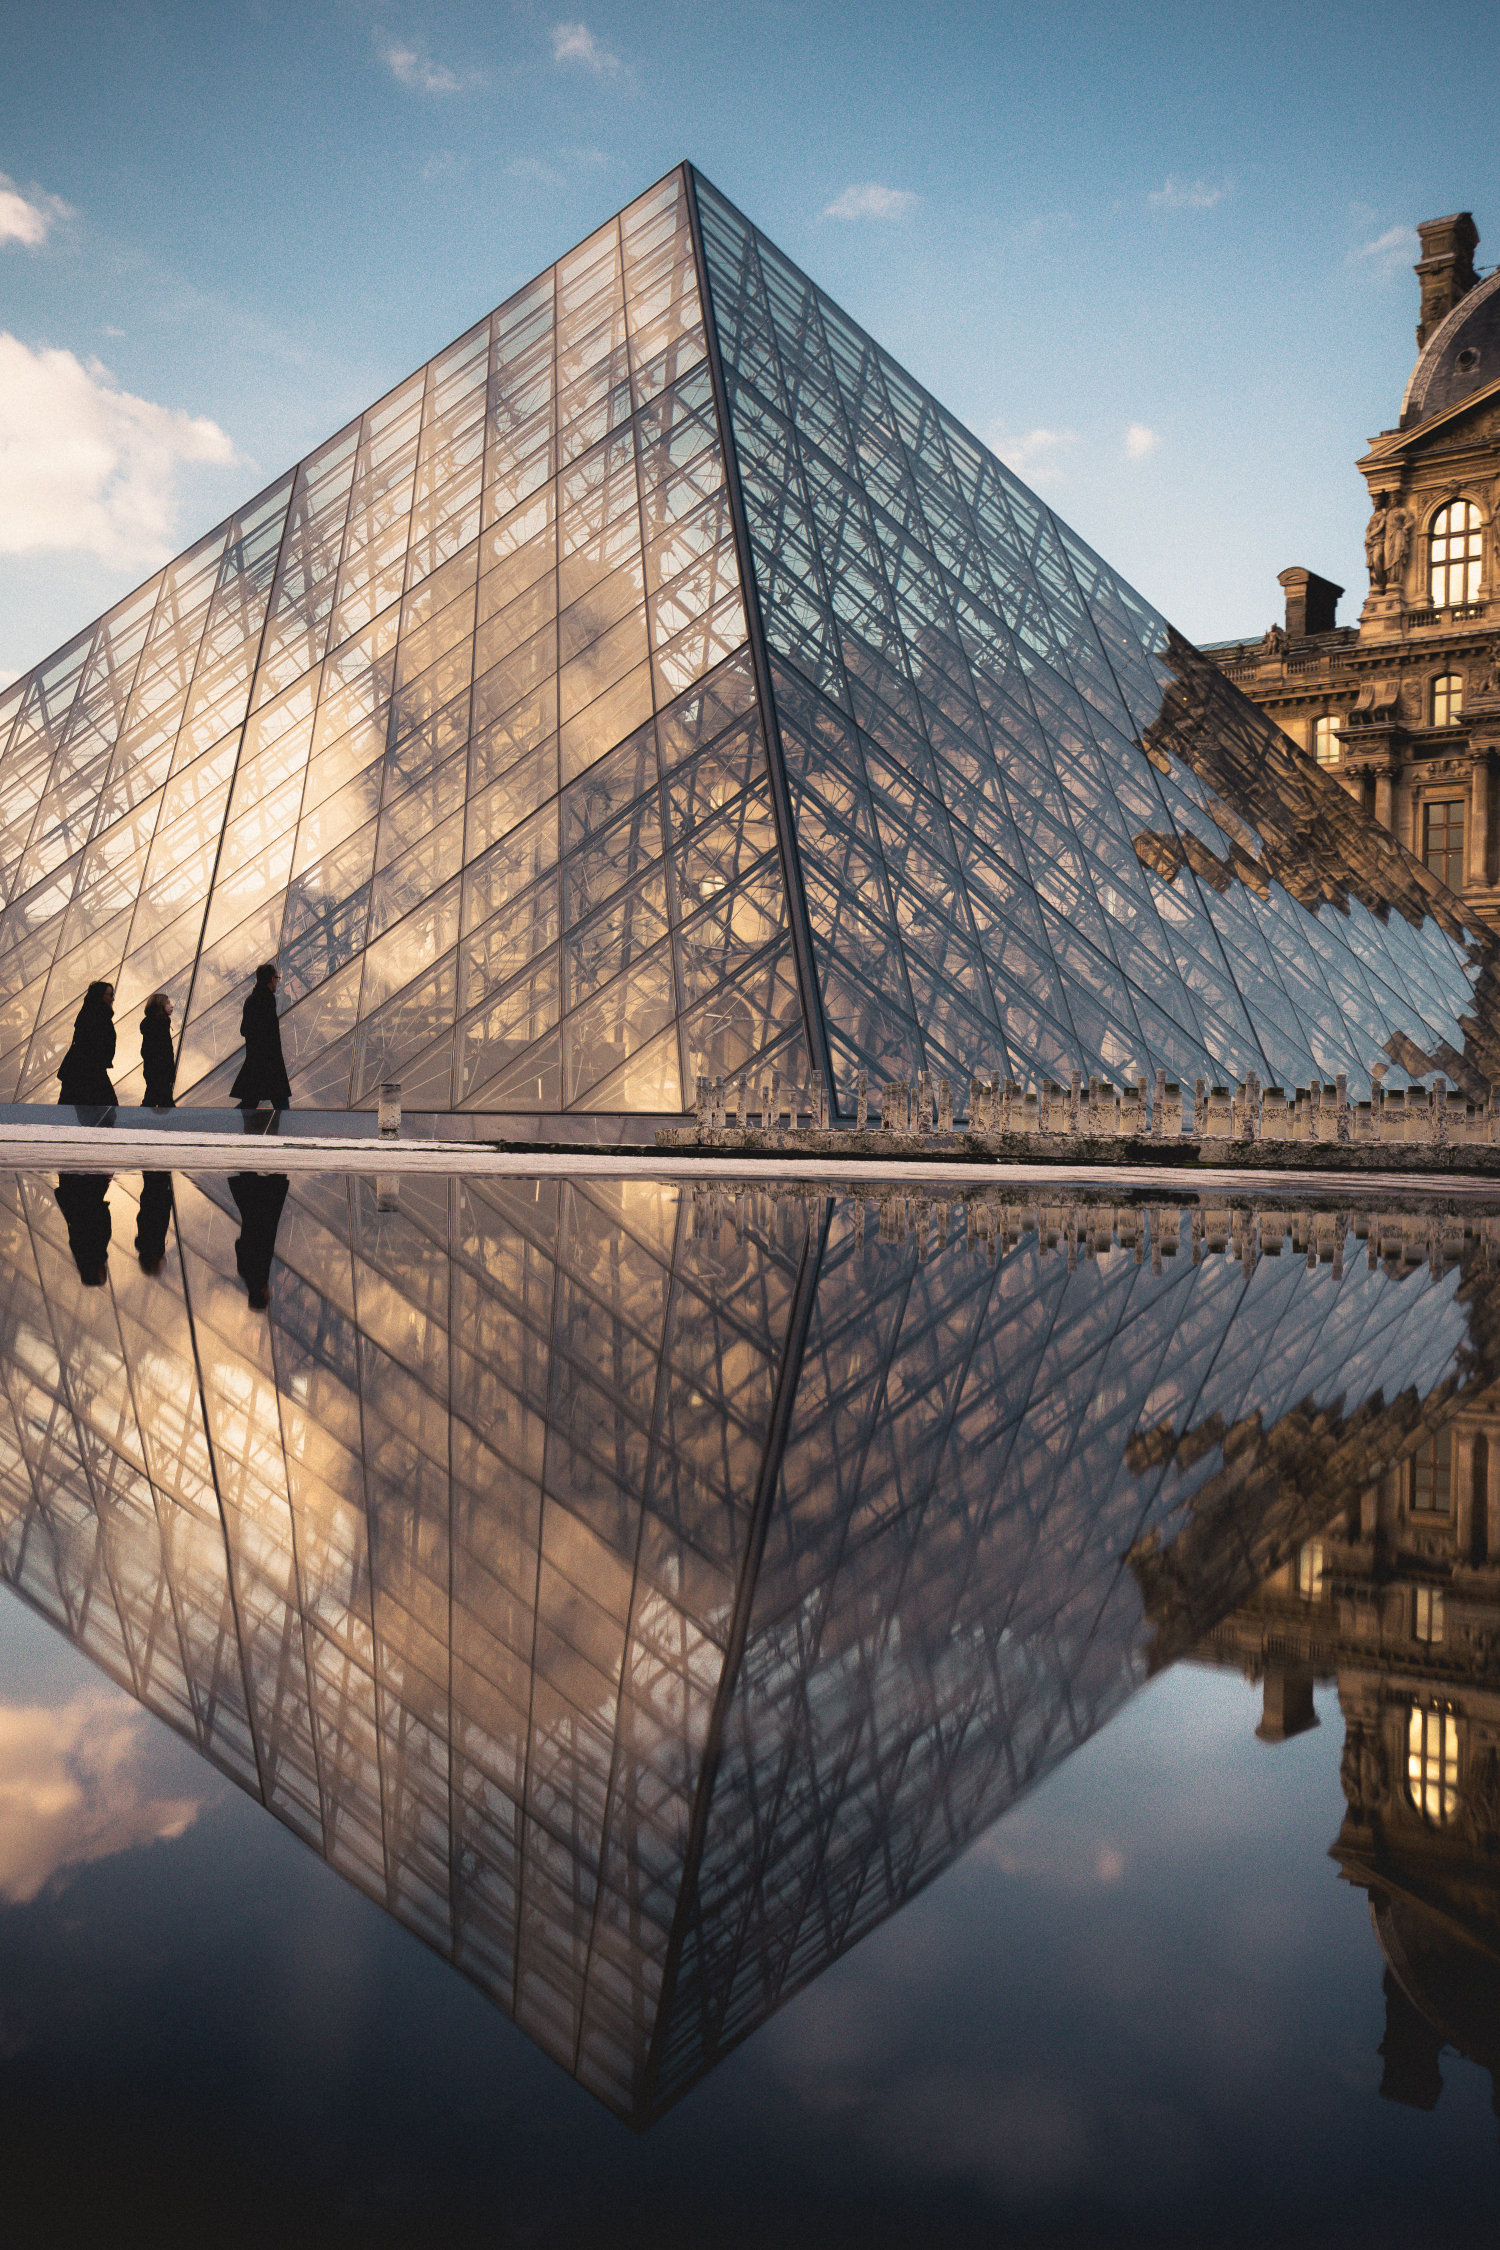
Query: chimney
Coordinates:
[1287,1702]
[1445,268]
[1310,602]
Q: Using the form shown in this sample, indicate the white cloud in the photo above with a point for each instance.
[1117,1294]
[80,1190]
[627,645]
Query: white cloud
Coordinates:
[1391,248]
[1036,455]
[551,175]
[87,466]
[575,43]
[870,201]
[73,1789]
[1176,195]
[1140,440]
[6,678]
[411,68]
[442,166]
[28,221]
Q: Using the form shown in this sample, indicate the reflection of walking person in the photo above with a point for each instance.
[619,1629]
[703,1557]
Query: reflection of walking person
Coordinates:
[155,1218]
[83,1199]
[259,1196]
[84,1069]
[262,1075]
[157,1059]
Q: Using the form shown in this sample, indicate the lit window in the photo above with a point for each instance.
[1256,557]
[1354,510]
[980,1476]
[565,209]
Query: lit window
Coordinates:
[1310,1570]
[1432,1763]
[1326,741]
[1428,1623]
[1443,842]
[1447,699]
[1432,1475]
[1455,552]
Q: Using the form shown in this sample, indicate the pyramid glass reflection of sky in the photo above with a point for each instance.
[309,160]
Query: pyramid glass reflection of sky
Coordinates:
[659,683]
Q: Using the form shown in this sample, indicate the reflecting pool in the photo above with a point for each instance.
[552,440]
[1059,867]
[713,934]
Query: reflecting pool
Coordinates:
[643,1595]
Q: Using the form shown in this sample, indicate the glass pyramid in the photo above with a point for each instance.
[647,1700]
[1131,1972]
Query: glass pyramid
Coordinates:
[659,683]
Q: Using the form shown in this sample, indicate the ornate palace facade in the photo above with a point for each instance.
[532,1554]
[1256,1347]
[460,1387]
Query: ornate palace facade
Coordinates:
[1405,706]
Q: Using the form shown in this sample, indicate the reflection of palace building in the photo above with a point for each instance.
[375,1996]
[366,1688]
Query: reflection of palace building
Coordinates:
[1405,706]
[1400,1603]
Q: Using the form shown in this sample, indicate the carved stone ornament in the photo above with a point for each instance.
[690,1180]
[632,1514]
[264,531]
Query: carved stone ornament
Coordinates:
[1375,546]
[1363,1770]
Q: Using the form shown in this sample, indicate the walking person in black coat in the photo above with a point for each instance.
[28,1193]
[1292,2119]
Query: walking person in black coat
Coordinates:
[84,1070]
[157,1059]
[262,1075]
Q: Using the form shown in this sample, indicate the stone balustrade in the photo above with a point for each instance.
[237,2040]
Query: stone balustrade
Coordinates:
[1094,1109]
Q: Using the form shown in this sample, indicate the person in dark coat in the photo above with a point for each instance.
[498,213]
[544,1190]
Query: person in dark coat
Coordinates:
[83,1199]
[154,1220]
[262,1075]
[157,1059]
[259,1197]
[84,1069]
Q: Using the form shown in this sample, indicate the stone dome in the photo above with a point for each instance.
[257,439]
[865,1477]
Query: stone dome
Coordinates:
[1461,356]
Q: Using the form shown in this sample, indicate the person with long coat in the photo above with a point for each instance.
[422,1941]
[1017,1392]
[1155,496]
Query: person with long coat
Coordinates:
[84,1070]
[262,1076]
[157,1059]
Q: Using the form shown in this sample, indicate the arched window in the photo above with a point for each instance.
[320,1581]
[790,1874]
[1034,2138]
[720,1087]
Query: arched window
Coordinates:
[1447,699]
[1432,1763]
[1432,1475]
[1326,740]
[1454,553]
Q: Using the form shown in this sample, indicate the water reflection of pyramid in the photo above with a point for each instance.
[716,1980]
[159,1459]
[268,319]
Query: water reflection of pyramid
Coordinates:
[468,721]
[641,1612]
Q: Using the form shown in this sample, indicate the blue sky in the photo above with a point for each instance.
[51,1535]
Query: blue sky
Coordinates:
[1159,257]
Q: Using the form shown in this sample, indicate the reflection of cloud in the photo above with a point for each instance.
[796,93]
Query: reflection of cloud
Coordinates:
[1015,1846]
[1021,2134]
[87,466]
[871,201]
[72,1790]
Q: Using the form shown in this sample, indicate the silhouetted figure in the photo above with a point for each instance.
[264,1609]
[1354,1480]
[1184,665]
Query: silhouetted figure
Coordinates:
[83,1199]
[262,1075]
[155,1218]
[84,1070]
[259,1197]
[157,1059]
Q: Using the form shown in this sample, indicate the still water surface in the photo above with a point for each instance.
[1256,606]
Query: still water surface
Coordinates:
[786,1719]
